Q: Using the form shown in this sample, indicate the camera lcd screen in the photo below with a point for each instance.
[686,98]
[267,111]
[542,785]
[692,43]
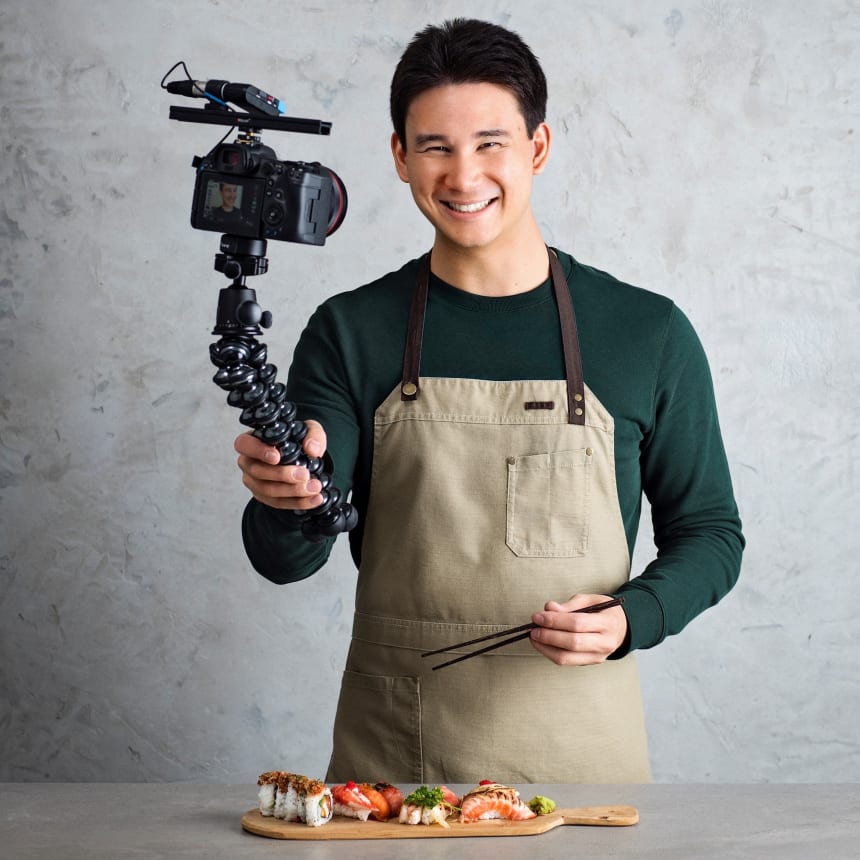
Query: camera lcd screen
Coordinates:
[229,204]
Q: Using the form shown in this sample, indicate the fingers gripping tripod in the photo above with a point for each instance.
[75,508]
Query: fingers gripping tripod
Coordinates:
[244,372]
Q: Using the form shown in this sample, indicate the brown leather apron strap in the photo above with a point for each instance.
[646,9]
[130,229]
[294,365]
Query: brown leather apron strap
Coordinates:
[409,385]
[570,344]
[415,332]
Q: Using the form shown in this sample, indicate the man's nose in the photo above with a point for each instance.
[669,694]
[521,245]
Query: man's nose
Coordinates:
[463,172]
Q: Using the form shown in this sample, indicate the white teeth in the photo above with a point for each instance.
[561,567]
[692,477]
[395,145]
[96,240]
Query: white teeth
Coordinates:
[469,207]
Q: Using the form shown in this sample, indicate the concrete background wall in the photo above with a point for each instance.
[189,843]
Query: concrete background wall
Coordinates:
[706,150]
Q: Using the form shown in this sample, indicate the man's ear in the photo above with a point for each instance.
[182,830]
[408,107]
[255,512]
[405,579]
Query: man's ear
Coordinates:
[399,153]
[542,141]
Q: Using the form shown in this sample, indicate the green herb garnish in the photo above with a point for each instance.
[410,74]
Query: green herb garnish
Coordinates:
[541,805]
[426,797]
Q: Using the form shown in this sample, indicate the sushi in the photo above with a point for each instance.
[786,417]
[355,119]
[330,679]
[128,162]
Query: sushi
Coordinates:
[287,796]
[268,783]
[381,808]
[350,801]
[393,795]
[427,806]
[319,807]
[492,800]
[292,797]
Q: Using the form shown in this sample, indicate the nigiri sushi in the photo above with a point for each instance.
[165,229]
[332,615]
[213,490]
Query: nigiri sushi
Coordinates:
[494,801]
[350,801]
[393,795]
[425,806]
[381,808]
[449,798]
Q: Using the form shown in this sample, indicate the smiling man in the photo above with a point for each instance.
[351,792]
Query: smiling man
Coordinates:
[497,409]
[470,160]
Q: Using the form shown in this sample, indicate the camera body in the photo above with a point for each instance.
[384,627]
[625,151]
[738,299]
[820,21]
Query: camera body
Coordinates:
[244,190]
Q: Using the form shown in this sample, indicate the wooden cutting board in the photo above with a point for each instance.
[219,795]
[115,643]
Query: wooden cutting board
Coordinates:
[351,828]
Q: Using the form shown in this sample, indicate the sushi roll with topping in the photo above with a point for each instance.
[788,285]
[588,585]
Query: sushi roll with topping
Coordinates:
[318,807]
[293,797]
[287,797]
[268,783]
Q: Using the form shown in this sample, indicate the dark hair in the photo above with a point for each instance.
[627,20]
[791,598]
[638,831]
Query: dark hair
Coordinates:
[465,51]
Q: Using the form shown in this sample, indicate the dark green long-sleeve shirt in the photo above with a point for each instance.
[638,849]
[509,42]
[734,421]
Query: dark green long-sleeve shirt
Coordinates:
[640,357]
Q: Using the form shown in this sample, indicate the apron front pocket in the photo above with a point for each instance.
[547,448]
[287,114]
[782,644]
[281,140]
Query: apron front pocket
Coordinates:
[549,504]
[377,729]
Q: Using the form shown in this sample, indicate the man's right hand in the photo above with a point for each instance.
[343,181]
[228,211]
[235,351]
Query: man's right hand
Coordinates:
[284,487]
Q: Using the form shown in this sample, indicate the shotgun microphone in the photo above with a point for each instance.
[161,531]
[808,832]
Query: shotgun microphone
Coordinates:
[245,95]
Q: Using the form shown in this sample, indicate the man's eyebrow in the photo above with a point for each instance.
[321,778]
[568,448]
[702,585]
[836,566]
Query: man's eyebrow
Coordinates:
[493,132]
[423,139]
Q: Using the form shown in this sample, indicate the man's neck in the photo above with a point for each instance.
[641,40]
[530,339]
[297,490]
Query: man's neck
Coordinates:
[490,271]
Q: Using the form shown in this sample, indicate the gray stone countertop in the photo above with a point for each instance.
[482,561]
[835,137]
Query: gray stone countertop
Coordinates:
[86,821]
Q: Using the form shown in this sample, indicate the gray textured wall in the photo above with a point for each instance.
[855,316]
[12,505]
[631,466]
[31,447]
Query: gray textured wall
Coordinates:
[706,150]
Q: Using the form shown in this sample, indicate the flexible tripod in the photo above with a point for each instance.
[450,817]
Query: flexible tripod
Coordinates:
[244,372]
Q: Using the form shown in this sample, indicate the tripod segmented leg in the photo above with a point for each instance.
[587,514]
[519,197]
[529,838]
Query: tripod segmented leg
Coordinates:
[244,372]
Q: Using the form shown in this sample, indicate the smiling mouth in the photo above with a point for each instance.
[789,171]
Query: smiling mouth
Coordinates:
[469,207]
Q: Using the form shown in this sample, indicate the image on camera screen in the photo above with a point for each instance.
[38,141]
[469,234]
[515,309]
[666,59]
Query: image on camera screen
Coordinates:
[230,206]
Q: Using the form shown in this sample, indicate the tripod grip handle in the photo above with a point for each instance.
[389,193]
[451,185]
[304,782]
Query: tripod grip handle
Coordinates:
[252,387]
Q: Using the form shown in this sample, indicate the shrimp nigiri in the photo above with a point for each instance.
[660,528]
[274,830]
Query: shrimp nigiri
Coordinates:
[350,801]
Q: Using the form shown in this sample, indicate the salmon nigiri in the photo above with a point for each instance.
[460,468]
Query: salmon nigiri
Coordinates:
[494,801]
[381,807]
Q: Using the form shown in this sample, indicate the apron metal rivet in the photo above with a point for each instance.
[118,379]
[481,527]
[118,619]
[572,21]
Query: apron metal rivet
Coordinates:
[577,397]
[578,411]
[511,461]
[409,389]
[589,451]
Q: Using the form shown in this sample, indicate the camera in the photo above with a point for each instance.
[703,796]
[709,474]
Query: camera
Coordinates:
[242,189]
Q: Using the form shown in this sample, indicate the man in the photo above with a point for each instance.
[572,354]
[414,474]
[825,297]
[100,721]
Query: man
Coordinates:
[228,211]
[497,456]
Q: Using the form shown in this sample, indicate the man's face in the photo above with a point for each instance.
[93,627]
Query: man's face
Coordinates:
[469,163]
[228,196]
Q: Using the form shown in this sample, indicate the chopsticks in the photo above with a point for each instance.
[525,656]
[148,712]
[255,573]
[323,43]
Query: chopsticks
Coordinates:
[522,633]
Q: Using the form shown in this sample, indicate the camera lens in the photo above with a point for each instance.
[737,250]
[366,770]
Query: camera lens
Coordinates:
[338,202]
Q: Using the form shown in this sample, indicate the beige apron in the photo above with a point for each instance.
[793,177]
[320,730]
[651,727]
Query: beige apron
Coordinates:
[487,500]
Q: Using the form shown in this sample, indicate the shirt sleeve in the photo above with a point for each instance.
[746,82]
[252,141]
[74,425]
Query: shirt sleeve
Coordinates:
[685,477]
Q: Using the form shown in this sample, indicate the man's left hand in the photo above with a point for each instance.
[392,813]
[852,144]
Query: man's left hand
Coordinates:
[571,638]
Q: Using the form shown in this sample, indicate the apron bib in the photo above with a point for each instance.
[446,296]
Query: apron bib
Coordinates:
[487,499]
